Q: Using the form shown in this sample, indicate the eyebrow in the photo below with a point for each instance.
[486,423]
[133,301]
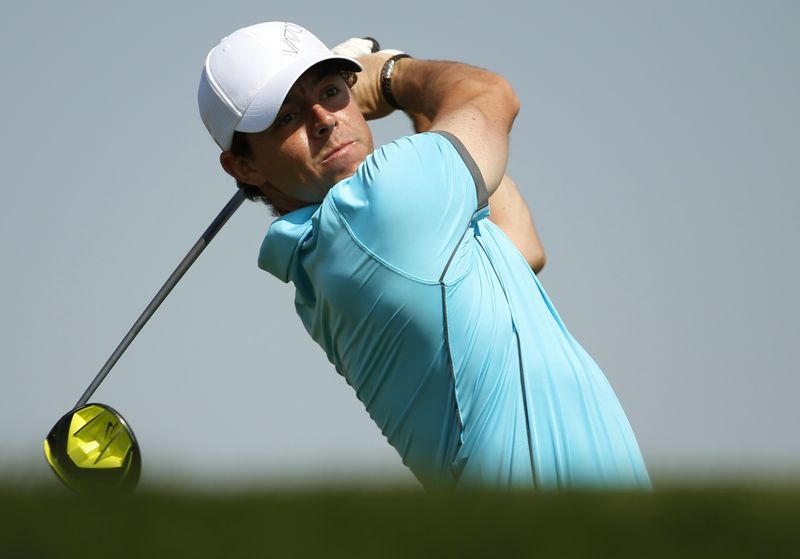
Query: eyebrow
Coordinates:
[320,77]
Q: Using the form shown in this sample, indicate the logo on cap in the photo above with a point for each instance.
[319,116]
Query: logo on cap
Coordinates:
[291,38]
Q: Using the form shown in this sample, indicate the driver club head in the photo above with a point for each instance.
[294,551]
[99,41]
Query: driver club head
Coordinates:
[94,451]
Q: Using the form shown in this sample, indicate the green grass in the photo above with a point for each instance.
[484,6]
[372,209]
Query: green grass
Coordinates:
[387,524]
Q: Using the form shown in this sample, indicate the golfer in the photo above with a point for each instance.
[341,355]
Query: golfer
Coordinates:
[430,311]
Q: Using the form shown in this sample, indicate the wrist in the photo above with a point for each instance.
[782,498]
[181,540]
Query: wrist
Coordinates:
[386,75]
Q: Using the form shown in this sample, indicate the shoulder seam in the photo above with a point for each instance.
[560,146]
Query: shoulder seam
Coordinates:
[481,192]
[374,256]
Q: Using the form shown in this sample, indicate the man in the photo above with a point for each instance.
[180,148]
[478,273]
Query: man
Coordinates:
[428,310]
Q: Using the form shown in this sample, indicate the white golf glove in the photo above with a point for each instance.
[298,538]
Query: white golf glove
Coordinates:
[356,47]
[367,90]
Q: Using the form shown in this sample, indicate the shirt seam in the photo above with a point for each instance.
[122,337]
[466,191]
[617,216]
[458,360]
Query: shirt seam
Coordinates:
[481,192]
[374,256]
[523,384]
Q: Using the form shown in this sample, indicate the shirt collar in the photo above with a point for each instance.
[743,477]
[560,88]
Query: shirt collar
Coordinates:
[283,239]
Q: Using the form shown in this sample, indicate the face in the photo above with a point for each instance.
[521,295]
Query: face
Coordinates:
[318,138]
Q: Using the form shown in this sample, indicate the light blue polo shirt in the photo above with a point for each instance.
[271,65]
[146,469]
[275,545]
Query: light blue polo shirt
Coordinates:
[436,320]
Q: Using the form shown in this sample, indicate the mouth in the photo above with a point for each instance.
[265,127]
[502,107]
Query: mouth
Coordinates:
[339,151]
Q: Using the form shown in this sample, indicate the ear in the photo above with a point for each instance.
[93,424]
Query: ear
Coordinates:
[240,168]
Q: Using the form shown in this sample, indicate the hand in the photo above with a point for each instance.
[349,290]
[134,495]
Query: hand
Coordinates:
[367,91]
[355,47]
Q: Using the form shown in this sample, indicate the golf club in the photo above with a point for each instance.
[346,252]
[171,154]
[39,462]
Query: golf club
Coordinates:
[92,448]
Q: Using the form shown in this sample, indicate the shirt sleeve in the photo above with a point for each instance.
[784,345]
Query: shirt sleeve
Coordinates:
[411,201]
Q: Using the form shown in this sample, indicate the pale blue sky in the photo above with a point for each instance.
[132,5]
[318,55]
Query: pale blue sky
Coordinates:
[657,146]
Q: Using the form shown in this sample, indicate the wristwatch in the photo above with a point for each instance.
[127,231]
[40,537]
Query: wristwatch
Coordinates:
[386,79]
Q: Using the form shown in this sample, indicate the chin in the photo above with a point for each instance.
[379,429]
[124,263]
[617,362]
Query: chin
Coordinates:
[346,173]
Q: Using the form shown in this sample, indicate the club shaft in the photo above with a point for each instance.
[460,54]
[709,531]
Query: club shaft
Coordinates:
[173,279]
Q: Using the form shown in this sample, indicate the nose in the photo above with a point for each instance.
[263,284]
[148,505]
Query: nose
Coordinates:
[323,122]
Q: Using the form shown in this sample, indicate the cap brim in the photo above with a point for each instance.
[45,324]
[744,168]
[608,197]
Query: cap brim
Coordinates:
[266,103]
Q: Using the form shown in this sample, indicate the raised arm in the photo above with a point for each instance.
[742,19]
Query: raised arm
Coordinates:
[511,214]
[508,210]
[475,105]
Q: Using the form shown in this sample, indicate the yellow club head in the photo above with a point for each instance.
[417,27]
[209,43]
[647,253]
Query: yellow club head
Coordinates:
[92,450]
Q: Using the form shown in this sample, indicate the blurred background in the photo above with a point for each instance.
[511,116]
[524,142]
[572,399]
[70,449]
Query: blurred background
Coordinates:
[657,146]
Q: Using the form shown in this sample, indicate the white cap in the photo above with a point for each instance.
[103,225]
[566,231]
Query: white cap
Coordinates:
[247,75]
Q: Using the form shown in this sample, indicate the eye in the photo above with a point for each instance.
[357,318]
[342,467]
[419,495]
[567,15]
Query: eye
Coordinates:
[284,120]
[332,91]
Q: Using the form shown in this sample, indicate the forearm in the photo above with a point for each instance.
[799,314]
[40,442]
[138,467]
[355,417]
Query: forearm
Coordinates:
[511,214]
[437,89]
